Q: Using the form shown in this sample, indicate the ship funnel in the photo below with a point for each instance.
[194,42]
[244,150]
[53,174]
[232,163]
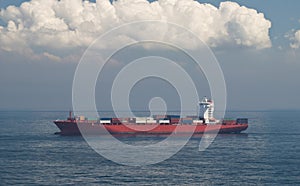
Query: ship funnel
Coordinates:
[206,110]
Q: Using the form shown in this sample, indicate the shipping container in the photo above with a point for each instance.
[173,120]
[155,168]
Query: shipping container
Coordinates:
[197,121]
[163,121]
[140,121]
[193,117]
[105,121]
[105,118]
[131,120]
[159,116]
[173,116]
[174,120]
[82,118]
[151,121]
[187,120]
[115,120]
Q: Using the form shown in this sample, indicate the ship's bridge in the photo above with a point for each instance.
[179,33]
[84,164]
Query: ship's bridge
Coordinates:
[206,109]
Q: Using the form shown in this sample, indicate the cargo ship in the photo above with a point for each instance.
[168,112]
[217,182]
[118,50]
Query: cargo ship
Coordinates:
[155,125]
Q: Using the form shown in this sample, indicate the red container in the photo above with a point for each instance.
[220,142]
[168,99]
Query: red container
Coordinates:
[174,120]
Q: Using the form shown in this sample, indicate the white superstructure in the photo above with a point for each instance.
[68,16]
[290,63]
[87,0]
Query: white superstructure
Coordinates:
[206,110]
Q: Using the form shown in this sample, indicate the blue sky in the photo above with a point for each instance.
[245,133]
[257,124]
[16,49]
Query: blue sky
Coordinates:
[261,79]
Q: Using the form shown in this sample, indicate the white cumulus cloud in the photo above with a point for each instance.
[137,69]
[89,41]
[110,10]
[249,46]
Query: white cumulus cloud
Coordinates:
[59,28]
[295,40]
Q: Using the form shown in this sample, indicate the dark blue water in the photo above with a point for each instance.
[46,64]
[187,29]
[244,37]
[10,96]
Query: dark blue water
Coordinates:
[268,154]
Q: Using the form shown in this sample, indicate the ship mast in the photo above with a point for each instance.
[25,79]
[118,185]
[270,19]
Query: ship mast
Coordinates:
[70,116]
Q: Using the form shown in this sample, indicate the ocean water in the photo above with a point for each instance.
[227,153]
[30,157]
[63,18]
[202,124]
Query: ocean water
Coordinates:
[267,153]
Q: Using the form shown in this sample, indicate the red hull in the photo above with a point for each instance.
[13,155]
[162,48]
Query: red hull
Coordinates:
[72,128]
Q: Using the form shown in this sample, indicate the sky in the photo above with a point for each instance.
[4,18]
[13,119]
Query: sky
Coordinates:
[257,44]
